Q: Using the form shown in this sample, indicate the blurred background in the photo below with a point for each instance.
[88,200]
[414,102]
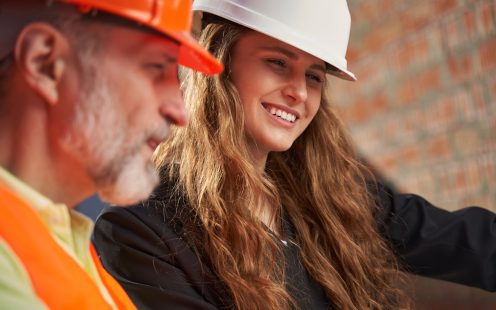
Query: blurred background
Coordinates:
[423,111]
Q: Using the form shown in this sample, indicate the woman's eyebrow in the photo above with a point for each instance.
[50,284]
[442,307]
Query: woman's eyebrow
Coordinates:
[292,55]
[281,50]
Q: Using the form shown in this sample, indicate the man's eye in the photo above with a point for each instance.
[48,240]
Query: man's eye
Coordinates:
[156,66]
[156,70]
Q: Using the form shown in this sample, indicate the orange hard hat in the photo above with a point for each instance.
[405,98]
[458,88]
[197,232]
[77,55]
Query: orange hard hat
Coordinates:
[170,17]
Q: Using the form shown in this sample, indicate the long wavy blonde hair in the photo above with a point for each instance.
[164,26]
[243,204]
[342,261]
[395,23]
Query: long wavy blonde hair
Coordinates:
[318,183]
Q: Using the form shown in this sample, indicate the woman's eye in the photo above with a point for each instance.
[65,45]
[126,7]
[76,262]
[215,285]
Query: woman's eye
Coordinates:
[276,62]
[314,78]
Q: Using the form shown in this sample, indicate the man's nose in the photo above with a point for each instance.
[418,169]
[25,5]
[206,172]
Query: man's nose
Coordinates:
[172,106]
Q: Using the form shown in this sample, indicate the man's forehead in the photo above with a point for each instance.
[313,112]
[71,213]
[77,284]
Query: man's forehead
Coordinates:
[134,41]
[14,15]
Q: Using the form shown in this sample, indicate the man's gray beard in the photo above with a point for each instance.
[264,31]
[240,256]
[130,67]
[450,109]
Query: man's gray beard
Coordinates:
[101,139]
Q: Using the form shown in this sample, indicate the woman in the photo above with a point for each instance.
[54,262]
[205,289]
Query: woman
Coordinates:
[273,192]
[263,203]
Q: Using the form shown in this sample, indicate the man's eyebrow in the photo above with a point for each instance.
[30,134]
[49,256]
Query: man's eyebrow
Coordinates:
[164,55]
[291,55]
[171,59]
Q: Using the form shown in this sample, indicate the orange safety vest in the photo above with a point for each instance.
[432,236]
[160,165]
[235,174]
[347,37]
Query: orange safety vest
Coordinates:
[57,278]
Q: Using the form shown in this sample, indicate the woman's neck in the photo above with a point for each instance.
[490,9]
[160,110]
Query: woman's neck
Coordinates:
[259,158]
[264,211]
[265,214]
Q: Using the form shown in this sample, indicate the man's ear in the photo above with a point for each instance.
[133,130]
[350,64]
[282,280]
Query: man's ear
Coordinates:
[41,55]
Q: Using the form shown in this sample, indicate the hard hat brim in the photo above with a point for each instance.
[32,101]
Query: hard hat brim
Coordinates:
[173,19]
[194,56]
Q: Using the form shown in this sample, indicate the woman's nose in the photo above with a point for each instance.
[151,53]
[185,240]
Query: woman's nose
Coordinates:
[296,89]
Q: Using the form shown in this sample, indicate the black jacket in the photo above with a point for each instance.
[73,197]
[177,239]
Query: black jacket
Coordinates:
[146,249]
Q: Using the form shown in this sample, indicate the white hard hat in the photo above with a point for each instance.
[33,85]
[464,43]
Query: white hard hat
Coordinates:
[318,27]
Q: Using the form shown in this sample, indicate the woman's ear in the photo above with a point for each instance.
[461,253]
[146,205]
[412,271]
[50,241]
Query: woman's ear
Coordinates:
[40,54]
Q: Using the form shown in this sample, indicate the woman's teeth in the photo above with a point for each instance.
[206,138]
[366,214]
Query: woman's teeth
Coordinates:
[283,114]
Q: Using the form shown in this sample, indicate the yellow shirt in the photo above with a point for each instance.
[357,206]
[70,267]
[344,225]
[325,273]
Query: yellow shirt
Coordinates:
[71,230]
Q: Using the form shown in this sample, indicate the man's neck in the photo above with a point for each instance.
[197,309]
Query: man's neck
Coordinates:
[29,153]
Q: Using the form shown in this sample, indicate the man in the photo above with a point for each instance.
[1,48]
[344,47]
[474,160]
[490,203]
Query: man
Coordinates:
[88,89]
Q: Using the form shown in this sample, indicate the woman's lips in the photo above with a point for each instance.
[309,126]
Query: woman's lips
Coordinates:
[281,113]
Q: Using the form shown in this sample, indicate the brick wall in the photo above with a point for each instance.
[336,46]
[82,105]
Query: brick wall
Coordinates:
[424,108]
[423,111]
